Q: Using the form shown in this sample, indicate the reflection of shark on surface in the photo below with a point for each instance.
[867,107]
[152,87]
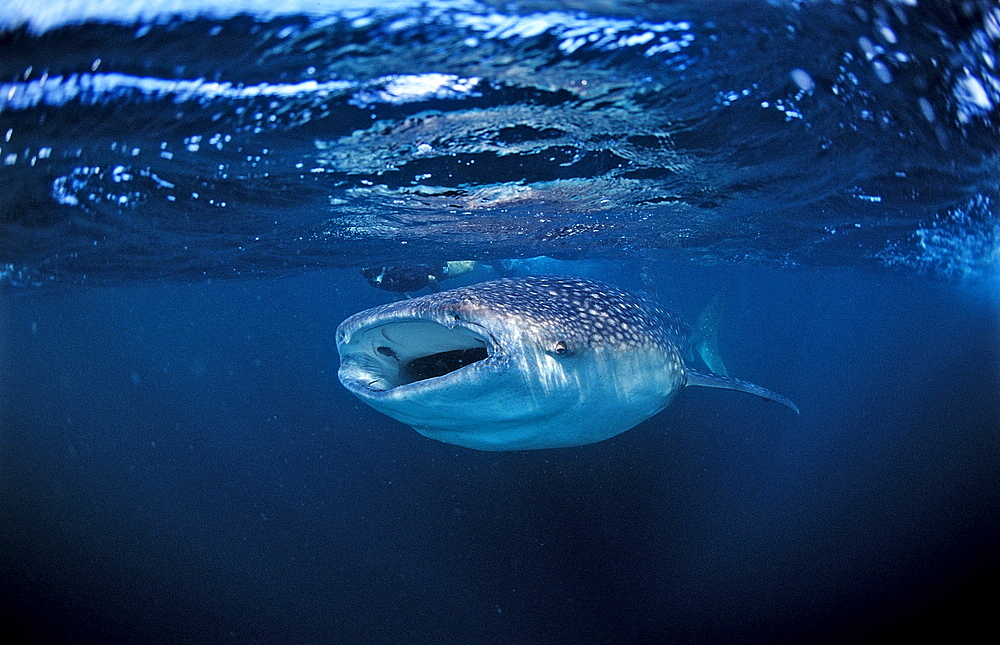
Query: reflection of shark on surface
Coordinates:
[522,363]
[408,278]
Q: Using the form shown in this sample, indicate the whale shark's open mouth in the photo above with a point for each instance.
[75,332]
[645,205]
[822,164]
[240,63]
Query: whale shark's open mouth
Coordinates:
[388,355]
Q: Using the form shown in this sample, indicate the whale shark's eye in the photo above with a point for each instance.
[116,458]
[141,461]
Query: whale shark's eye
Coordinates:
[560,347]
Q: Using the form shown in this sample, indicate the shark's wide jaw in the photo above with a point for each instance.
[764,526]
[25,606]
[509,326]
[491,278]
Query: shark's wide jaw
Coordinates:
[404,356]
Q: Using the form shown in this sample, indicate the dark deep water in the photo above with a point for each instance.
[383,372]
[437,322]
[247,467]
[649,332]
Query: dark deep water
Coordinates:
[179,464]
[186,201]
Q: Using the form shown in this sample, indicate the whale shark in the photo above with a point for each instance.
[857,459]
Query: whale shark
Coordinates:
[523,363]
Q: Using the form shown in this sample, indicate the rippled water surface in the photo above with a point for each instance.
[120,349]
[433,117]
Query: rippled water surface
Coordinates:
[229,139]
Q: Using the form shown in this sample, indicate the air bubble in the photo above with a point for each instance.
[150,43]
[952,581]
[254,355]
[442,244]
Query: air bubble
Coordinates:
[802,78]
[882,71]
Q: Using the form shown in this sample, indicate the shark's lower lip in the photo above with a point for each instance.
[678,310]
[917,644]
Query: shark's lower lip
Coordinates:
[374,389]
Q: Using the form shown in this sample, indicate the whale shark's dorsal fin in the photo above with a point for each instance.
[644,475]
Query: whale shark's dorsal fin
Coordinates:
[705,338]
[694,377]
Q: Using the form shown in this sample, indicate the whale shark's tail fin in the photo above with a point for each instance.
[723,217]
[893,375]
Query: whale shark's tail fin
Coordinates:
[694,377]
[705,338]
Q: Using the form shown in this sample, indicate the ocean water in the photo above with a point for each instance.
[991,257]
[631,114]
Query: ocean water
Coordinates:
[188,190]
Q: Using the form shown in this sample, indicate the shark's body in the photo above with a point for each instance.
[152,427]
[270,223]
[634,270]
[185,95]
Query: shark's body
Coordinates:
[521,363]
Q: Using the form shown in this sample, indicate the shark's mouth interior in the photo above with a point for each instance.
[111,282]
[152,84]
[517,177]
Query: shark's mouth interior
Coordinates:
[406,352]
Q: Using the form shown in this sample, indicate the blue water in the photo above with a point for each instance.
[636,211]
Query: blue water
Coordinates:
[189,190]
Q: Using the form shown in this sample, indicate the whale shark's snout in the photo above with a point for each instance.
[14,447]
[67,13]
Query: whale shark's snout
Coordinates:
[520,363]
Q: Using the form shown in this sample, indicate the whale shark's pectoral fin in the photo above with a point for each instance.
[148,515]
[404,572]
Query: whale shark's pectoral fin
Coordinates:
[694,377]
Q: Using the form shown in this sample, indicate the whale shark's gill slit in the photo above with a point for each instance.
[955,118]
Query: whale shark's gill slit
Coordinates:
[441,363]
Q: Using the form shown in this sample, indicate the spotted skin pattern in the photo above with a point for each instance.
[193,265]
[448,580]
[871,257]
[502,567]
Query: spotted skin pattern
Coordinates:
[582,312]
